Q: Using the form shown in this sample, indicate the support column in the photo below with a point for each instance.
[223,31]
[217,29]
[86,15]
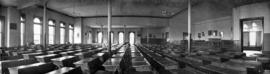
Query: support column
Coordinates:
[44,26]
[125,33]
[102,34]
[109,25]
[82,31]
[189,26]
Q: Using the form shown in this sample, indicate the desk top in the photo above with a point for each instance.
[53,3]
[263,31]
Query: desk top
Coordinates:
[84,61]
[44,56]
[26,66]
[98,54]
[138,59]
[32,53]
[112,62]
[61,70]
[62,58]
[119,55]
[136,54]
[141,63]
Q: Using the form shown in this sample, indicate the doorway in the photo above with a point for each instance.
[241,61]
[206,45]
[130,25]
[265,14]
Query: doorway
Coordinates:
[252,34]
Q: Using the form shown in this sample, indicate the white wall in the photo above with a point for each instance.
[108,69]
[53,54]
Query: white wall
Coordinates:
[223,24]
[204,13]
[133,22]
[12,15]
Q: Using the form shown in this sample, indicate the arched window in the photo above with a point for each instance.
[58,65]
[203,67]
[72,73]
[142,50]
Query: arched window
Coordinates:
[131,38]
[37,28]
[99,37]
[62,33]
[22,19]
[71,35]
[121,37]
[51,28]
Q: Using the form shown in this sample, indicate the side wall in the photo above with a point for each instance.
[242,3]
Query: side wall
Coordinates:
[252,11]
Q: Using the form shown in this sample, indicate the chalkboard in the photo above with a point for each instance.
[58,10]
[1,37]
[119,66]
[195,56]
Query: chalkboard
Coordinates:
[13,26]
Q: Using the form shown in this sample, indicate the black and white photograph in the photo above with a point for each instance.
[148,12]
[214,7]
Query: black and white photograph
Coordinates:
[134,36]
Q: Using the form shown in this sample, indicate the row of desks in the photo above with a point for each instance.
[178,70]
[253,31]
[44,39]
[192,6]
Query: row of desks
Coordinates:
[65,60]
[220,64]
[167,63]
[90,64]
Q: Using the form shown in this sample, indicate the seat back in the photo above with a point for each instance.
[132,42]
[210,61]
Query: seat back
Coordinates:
[77,70]
[46,68]
[15,63]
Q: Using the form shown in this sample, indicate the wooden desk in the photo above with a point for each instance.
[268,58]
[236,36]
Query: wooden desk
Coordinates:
[15,70]
[59,61]
[31,55]
[119,55]
[112,64]
[84,64]
[46,58]
[61,70]
[136,54]
[99,55]
[67,53]
[141,66]
[54,51]
[138,59]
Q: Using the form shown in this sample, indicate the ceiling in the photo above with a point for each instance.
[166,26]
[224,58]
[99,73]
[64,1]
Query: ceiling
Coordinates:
[90,8]
[151,9]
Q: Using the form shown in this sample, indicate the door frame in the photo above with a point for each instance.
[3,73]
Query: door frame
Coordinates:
[241,30]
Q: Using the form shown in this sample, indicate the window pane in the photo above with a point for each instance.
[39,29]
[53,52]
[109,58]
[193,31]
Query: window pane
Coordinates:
[121,38]
[71,26]
[62,25]
[0,39]
[111,37]
[37,20]
[99,37]
[22,33]
[51,35]
[62,35]
[22,19]
[0,25]
[252,38]
[131,38]
[50,22]
[37,33]
[71,36]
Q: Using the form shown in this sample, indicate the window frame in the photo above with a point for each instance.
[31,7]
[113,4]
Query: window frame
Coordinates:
[53,26]
[64,29]
[22,29]
[120,38]
[71,28]
[36,23]
[101,38]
